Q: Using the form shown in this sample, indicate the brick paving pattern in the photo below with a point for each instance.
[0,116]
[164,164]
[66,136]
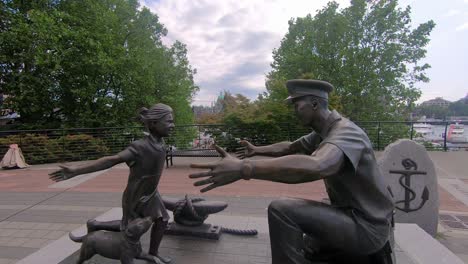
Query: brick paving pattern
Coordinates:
[33,215]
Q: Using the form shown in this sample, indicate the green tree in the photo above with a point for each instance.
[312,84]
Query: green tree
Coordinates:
[89,63]
[432,111]
[29,35]
[368,51]
[459,108]
[180,87]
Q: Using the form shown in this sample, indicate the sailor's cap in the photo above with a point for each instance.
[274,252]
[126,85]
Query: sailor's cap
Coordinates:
[300,87]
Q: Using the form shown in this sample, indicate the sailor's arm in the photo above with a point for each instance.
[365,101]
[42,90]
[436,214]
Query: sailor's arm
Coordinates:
[274,150]
[325,161]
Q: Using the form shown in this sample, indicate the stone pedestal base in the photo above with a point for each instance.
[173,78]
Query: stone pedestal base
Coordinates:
[207,231]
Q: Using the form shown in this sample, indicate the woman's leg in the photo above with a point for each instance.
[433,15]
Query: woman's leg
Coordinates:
[157,233]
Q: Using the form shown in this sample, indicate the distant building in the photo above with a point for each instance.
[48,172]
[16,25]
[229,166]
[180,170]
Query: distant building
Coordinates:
[199,110]
[215,108]
[438,101]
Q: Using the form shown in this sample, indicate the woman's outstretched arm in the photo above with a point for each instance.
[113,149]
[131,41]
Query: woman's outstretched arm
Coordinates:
[67,172]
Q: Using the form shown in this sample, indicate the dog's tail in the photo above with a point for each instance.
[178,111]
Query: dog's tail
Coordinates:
[75,238]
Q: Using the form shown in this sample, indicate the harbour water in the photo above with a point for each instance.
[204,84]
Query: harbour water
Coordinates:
[437,134]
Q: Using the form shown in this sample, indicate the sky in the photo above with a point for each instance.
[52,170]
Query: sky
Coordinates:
[230,42]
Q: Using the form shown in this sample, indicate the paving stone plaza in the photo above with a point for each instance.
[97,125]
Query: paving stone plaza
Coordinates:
[36,214]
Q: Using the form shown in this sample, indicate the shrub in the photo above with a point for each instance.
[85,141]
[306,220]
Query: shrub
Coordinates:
[82,147]
[36,148]
[39,148]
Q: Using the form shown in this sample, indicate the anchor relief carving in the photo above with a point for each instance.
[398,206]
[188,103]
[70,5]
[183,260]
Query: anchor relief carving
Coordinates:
[411,168]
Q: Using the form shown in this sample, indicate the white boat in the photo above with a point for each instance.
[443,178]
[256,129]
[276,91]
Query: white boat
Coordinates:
[456,133]
[423,129]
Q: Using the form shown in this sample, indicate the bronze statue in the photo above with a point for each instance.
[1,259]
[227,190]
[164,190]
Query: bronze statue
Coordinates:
[359,220]
[124,246]
[192,213]
[146,158]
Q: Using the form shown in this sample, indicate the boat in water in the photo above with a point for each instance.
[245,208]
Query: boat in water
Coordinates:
[423,129]
[456,133]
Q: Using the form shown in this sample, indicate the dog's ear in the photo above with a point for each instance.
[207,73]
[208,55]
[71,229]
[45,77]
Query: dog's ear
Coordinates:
[129,234]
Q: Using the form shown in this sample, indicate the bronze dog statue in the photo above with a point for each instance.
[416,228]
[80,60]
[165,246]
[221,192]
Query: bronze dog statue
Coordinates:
[124,245]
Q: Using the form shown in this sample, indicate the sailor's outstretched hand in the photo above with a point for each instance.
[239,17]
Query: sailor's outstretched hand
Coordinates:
[225,171]
[64,173]
[247,150]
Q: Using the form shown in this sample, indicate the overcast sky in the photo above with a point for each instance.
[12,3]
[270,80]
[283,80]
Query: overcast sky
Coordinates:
[230,42]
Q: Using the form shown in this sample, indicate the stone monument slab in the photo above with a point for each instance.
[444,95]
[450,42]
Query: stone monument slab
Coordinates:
[412,181]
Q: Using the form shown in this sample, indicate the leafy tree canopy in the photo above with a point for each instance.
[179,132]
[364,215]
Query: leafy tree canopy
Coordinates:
[457,108]
[89,63]
[368,51]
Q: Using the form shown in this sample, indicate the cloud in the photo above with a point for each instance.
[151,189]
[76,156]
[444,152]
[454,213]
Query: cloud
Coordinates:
[407,2]
[452,12]
[246,78]
[462,27]
[230,42]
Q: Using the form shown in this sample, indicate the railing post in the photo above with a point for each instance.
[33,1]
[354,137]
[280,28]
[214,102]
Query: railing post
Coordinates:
[445,137]
[63,144]
[378,135]
[412,130]
[289,132]
[199,137]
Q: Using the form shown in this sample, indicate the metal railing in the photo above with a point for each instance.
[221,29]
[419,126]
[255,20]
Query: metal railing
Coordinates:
[58,145]
[434,135]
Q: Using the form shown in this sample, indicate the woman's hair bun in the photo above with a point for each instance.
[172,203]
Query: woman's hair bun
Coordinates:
[143,111]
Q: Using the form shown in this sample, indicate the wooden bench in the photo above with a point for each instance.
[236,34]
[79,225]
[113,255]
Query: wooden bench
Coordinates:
[170,154]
